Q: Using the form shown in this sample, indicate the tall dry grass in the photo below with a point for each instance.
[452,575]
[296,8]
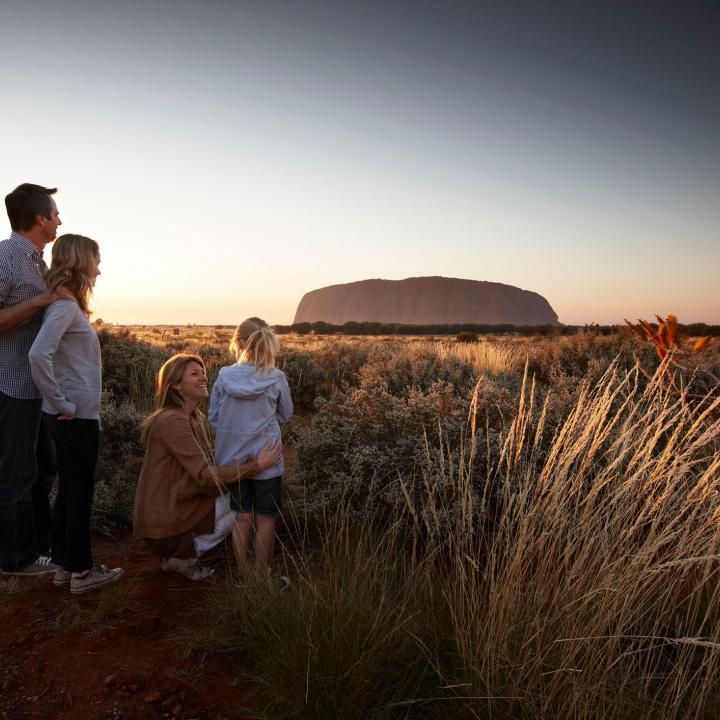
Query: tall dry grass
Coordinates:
[596,594]
[484,357]
[581,582]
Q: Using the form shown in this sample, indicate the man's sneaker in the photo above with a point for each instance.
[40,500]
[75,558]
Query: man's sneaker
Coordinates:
[97,577]
[62,577]
[42,566]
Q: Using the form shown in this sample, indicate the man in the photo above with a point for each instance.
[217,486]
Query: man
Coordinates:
[27,454]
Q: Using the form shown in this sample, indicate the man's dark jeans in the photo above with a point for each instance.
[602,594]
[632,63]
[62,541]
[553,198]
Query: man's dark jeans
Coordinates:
[27,472]
[77,443]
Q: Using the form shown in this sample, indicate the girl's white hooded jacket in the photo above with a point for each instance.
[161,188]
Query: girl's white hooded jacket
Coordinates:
[246,410]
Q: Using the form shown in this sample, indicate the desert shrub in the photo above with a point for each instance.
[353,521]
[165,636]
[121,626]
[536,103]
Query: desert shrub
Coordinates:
[118,467]
[318,373]
[304,375]
[343,360]
[396,370]
[466,337]
[388,438]
[575,355]
[129,368]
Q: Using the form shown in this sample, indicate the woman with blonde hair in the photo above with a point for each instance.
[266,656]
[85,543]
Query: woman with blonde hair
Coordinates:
[65,365]
[177,500]
[250,400]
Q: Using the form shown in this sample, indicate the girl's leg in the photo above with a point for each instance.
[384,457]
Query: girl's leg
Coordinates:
[268,505]
[241,539]
[264,540]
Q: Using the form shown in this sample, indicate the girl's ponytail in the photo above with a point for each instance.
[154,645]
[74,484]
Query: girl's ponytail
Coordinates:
[261,349]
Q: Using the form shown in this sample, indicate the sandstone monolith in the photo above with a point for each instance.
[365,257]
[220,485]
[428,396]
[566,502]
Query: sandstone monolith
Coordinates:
[425,301]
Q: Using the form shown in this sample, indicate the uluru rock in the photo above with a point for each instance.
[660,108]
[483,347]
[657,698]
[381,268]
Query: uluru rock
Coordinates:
[425,301]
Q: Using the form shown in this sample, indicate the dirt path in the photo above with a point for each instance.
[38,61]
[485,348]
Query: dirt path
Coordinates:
[112,653]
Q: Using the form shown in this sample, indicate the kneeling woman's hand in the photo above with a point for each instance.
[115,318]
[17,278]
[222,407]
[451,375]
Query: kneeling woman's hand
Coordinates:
[269,454]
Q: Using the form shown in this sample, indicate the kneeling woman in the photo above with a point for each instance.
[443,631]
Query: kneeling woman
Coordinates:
[175,501]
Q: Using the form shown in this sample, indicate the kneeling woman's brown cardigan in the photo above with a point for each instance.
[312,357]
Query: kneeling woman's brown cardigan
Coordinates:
[178,483]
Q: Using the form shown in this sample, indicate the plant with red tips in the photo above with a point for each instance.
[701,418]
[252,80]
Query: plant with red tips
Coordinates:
[669,345]
[666,338]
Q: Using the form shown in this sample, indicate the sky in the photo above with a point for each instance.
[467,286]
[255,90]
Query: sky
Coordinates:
[230,156]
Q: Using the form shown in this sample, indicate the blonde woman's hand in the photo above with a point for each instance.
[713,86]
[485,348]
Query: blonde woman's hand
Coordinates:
[269,454]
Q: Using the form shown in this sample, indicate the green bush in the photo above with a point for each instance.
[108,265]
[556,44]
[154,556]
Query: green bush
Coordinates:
[130,368]
[466,337]
[407,419]
[319,373]
[118,468]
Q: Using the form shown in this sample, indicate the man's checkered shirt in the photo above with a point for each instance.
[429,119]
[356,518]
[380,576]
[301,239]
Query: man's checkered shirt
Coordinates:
[21,270]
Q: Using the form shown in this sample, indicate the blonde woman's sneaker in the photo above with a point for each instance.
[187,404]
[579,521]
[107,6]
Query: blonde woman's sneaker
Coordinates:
[62,577]
[97,577]
[42,566]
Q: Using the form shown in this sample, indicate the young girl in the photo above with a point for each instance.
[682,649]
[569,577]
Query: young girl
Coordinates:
[65,365]
[249,402]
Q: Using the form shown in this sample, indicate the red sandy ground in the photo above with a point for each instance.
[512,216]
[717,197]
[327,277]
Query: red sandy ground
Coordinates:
[55,665]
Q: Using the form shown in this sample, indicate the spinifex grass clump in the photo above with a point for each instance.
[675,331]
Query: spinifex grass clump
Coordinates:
[588,588]
[358,635]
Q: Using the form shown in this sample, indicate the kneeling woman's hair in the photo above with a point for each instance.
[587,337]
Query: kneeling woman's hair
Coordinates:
[74,262]
[166,396]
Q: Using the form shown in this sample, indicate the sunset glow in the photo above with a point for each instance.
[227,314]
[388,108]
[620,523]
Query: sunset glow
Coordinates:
[229,157]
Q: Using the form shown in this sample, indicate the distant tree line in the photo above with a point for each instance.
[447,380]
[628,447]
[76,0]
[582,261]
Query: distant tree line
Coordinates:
[548,329]
[700,329]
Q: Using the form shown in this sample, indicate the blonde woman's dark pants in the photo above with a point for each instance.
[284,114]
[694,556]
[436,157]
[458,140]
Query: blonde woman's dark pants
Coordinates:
[77,443]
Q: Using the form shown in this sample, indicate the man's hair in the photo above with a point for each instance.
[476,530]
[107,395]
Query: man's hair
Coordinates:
[25,203]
